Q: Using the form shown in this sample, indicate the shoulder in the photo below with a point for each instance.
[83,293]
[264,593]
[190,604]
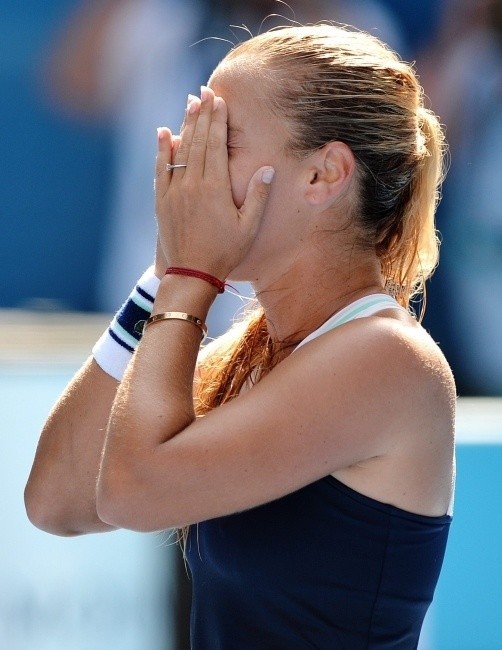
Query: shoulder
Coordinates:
[387,360]
[390,339]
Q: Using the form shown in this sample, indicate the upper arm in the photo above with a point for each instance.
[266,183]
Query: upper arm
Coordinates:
[341,399]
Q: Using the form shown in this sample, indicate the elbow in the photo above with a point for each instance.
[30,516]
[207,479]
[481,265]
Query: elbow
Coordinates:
[117,510]
[46,516]
[110,503]
[124,501]
[62,518]
[115,499]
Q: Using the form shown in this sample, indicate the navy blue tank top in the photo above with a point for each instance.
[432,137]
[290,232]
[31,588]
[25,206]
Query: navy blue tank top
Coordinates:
[324,567]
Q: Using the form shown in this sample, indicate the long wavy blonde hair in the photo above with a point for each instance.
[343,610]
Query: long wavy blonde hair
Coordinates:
[333,83]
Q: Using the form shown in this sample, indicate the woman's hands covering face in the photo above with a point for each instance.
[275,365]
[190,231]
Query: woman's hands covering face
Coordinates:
[199,225]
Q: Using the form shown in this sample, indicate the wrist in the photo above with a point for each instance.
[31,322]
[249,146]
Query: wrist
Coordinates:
[184,293]
[159,270]
[113,351]
[201,275]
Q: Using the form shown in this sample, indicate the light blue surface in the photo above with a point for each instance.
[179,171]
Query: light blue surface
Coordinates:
[99,592]
[468,601]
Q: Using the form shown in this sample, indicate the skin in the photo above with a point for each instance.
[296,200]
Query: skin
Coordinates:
[371,402]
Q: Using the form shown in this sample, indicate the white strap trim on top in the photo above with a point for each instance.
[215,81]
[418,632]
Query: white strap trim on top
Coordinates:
[366,306]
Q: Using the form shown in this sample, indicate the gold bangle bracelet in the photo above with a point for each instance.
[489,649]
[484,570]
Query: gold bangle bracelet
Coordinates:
[177,315]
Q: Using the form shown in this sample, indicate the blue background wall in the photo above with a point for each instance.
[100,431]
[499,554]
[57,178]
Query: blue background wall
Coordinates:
[53,172]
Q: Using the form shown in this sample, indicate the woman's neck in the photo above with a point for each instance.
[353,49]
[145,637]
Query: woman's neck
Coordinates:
[302,299]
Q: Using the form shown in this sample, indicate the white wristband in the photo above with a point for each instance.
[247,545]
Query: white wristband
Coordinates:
[113,351]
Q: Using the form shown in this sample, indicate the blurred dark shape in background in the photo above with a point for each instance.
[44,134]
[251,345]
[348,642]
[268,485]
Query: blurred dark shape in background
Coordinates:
[462,74]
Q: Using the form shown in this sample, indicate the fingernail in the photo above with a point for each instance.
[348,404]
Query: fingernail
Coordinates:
[161,132]
[268,175]
[204,93]
[192,103]
[217,104]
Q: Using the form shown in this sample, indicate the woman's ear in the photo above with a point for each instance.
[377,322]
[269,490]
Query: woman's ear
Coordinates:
[331,172]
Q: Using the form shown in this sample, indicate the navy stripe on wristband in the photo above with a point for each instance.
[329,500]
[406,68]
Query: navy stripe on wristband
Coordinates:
[137,308]
[120,341]
[115,347]
[144,294]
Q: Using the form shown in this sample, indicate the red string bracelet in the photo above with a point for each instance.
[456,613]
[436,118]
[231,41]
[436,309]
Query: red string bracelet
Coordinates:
[216,282]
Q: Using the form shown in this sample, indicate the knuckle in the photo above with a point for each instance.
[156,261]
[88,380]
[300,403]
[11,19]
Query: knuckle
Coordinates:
[199,139]
[213,141]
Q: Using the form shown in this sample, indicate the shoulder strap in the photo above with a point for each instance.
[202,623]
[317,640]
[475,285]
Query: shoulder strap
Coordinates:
[366,306]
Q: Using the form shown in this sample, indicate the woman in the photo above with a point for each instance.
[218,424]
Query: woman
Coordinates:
[315,493]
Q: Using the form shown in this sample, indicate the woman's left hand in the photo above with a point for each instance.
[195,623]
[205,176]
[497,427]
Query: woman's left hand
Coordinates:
[199,225]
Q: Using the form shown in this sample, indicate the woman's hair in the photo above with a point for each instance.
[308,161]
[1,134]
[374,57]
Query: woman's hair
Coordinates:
[330,84]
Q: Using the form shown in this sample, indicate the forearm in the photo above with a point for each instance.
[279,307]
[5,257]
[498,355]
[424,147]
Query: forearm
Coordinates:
[60,494]
[61,490]
[200,228]
[155,399]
